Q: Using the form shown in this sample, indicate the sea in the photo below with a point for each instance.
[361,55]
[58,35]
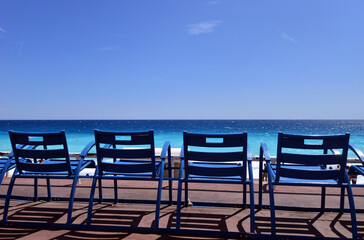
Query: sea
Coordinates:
[80,132]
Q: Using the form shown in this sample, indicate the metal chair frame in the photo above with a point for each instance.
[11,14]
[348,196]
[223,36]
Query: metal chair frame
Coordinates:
[237,163]
[308,169]
[52,149]
[127,164]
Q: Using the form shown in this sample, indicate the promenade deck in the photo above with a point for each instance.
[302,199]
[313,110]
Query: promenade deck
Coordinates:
[328,224]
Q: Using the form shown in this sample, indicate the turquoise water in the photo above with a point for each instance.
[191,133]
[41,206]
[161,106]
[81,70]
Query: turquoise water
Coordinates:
[80,132]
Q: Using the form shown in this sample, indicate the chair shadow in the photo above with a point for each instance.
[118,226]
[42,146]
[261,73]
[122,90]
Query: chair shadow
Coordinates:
[36,213]
[288,226]
[22,212]
[15,232]
[91,235]
[347,225]
[199,221]
[168,237]
[108,217]
[117,217]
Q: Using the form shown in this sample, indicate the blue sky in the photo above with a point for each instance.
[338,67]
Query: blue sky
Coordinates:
[196,59]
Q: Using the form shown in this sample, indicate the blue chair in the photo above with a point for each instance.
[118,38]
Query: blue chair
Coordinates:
[44,155]
[303,161]
[129,156]
[215,158]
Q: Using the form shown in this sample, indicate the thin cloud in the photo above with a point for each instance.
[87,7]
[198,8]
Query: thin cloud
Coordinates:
[21,46]
[108,48]
[2,31]
[288,38]
[203,27]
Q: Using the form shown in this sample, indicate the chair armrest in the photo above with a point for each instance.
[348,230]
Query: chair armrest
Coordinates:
[182,155]
[165,149]
[11,154]
[357,152]
[180,177]
[86,150]
[249,155]
[264,150]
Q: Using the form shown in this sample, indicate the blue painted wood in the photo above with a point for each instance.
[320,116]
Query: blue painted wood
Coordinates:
[121,138]
[127,167]
[309,169]
[303,141]
[314,174]
[209,165]
[34,159]
[125,153]
[217,171]
[206,140]
[310,159]
[215,156]
[44,167]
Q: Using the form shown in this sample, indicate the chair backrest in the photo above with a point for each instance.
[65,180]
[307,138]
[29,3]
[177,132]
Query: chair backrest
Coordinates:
[297,153]
[30,149]
[215,148]
[125,146]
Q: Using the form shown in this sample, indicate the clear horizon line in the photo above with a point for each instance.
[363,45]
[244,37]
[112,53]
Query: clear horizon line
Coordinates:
[192,119]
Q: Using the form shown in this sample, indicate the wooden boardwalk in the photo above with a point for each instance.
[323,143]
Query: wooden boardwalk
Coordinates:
[292,223]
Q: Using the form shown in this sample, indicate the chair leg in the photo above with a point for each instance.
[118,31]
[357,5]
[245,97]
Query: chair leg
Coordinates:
[170,182]
[179,196]
[8,195]
[35,190]
[323,198]
[49,192]
[158,205]
[170,185]
[92,196]
[272,208]
[116,190]
[352,212]
[72,197]
[244,194]
[342,199]
[352,208]
[186,193]
[252,207]
[260,195]
[100,190]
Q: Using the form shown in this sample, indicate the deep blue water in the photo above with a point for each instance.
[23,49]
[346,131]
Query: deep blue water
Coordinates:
[80,132]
